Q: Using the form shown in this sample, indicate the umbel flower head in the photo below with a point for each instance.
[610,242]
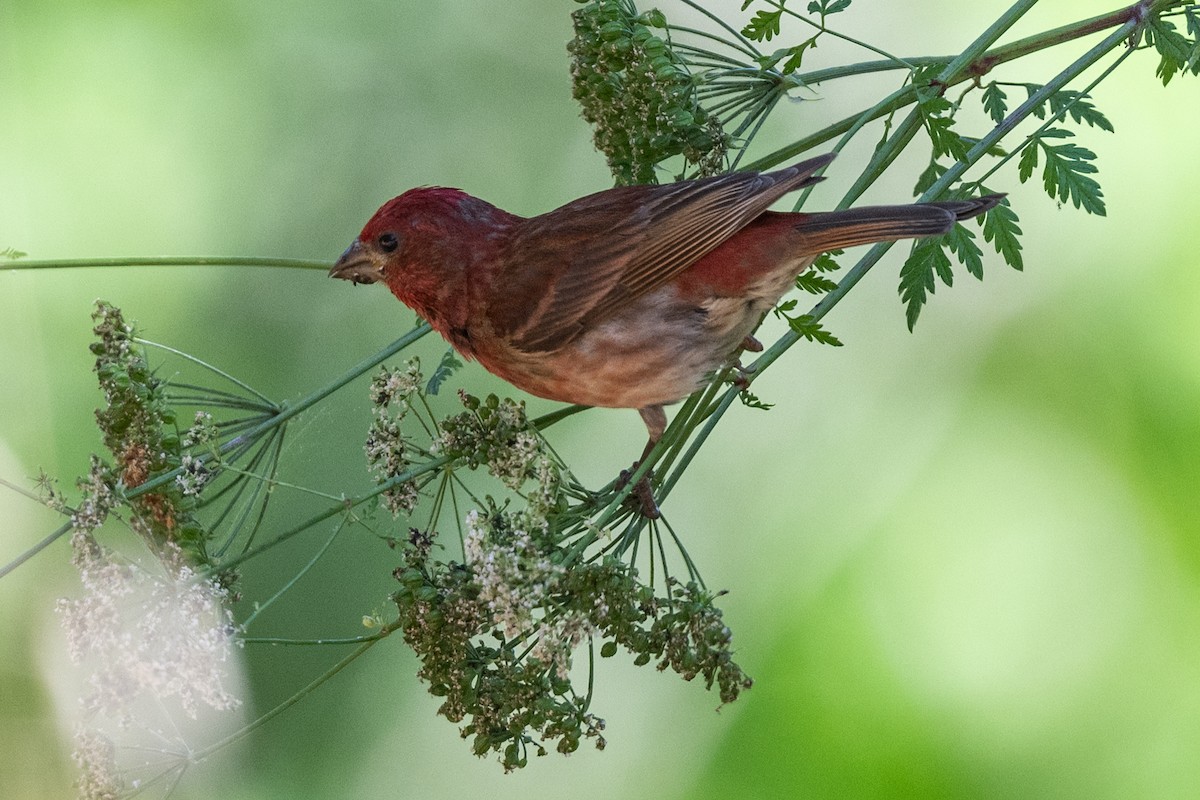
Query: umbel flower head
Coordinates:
[638,94]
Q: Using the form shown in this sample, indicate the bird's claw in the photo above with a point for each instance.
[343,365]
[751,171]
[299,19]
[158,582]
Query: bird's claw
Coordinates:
[752,345]
[641,497]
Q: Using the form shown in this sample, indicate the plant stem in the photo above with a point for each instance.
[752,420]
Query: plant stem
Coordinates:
[168,261]
[204,753]
[1128,17]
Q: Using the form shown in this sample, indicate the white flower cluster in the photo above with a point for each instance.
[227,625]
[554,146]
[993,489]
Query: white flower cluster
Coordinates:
[147,635]
[202,431]
[386,448]
[96,758]
[193,477]
[516,583]
[497,434]
[97,500]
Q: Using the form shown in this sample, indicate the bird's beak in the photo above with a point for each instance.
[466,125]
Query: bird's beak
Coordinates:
[357,265]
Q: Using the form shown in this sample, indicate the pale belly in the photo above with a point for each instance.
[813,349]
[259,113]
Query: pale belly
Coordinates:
[655,352]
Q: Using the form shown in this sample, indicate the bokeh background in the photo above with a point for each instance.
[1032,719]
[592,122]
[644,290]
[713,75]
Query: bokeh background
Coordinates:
[963,562]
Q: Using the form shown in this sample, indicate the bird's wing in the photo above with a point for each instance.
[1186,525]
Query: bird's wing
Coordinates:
[576,265]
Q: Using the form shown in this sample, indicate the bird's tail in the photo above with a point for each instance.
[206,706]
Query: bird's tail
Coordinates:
[833,230]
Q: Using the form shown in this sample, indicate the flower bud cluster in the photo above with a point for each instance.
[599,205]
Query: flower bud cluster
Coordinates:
[497,434]
[388,450]
[139,429]
[638,93]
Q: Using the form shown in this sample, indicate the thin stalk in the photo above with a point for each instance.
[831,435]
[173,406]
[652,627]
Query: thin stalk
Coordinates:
[341,507]
[371,637]
[740,42]
[168,261]
[1128,17]
[261,607]
[287,412]
[61,531]
[211,368]
[203,753]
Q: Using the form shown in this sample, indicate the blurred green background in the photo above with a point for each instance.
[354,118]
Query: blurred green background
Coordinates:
[962,563]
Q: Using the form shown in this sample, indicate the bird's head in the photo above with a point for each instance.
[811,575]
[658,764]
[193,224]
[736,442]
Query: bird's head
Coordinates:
[398,233]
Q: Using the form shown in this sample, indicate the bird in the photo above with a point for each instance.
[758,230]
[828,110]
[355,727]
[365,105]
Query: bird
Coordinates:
[631,297]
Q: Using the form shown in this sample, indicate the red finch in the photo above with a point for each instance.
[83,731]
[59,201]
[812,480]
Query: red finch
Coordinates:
[627,298]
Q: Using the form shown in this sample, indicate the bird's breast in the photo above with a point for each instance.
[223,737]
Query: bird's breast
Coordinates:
[655,351]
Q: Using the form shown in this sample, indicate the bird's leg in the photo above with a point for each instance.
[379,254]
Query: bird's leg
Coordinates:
[656,422]
[742,379]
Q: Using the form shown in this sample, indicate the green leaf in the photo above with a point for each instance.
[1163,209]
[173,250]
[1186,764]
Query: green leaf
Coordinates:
[1001,229]
[797,56]
[928,177]
[751,400]
[12,253]
[445,368]
[814,282]
[994,102]
[827,7]
[962,243]
[937,116]
[928,258]
[1029,160]
[1067,102]
[1066,176]
[946,141]
[763,26]
[827,262]
[811,329]
[1174,49]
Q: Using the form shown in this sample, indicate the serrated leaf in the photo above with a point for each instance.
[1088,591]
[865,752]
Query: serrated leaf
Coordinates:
[994,102]
[916,276]
[1001,229]
[1174,49]
[928,89]
[945,140]
[797,56]
[1078,107]
[1031,89]
[1065,176]
[1028,162]
[445,368]
[810,329]
[827,262]
[928,177]
[814,282]
[763,26]
[827,7]
[751,400]
[962,243]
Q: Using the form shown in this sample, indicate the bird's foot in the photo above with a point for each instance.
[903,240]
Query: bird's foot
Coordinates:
[741,376]
[641,497]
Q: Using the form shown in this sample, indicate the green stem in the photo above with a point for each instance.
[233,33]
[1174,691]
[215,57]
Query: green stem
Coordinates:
[333,511]
[1128,17]
[61,531]
[168,261]
[204,753]
[371,637]
[287,411]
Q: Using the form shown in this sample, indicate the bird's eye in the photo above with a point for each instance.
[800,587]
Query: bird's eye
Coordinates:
[388,242]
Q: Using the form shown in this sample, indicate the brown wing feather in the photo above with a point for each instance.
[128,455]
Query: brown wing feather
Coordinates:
[649,234]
